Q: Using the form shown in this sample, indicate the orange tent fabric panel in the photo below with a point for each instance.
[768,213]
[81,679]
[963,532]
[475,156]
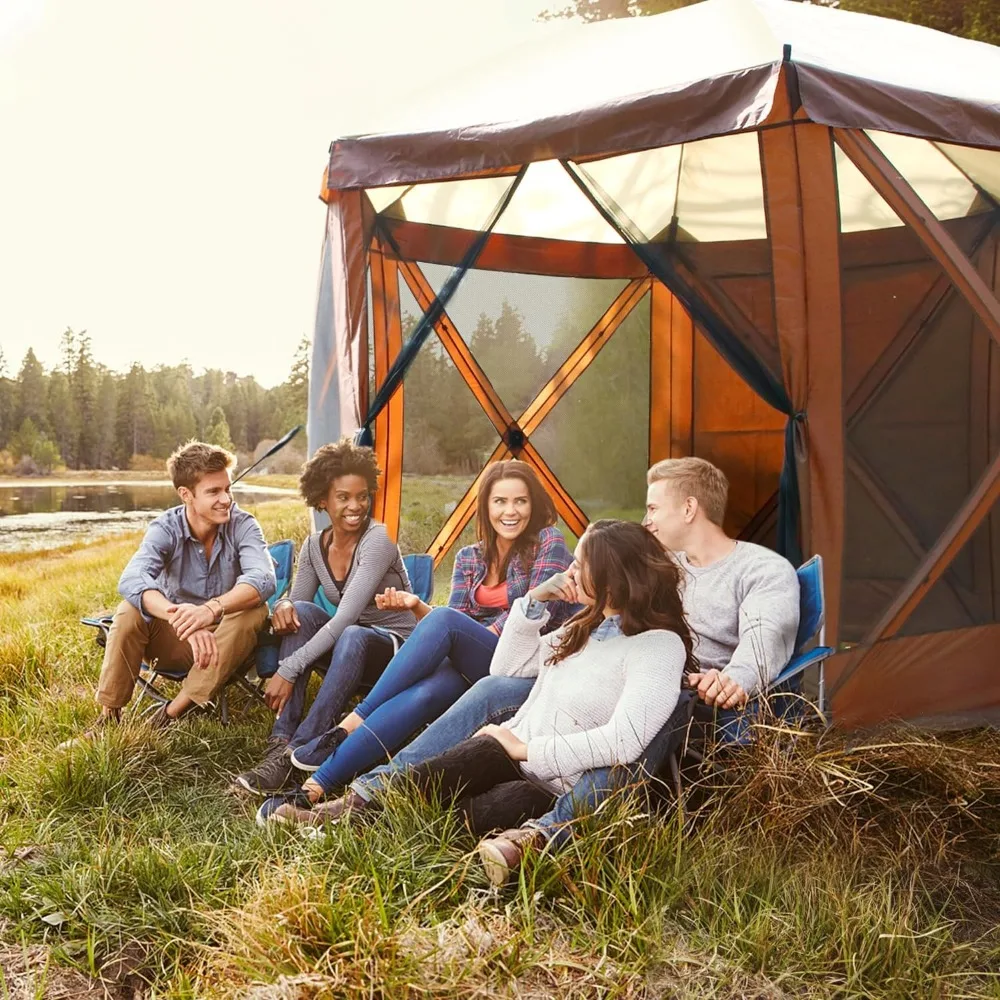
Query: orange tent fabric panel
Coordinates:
[736,430]
[940,675]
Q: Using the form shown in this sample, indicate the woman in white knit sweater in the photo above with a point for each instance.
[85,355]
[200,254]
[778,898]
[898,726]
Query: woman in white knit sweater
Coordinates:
[608,681]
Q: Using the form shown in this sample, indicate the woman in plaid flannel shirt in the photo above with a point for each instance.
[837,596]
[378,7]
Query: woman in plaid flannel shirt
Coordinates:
[518,548]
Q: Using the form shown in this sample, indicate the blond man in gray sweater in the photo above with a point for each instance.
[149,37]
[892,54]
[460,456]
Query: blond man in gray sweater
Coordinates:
[741,599]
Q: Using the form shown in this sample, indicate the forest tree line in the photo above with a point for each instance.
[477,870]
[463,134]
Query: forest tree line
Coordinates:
[83,415]
[595,439]
[976,19]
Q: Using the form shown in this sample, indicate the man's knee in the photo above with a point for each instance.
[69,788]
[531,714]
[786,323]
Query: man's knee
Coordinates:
[126,617]
[250,619]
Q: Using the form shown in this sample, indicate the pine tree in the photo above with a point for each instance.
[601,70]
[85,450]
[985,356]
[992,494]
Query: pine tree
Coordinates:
[32,392]
[133,423]
[62,417]
[106,412]
[85,384]
[217,431]
[8,403]
[297,396]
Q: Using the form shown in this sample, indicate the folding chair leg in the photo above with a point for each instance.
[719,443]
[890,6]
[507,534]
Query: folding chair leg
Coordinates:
[256,691]
[675,774]
[148,689]
[224,707]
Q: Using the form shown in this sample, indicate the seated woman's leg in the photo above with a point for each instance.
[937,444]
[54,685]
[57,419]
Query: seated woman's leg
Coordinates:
[492,700]
[505,806]
[389,727]
[443,633]
[358,651]
[311,619]
[468,769]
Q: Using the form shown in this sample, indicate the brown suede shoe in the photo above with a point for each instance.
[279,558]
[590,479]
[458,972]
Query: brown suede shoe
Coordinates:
[502,855]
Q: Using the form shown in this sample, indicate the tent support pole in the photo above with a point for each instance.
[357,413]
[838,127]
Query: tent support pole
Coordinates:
[472,374]
[977,505]
[388,336]
[583,355]
[906,203]
[671,361]
[464,511]
[800,196]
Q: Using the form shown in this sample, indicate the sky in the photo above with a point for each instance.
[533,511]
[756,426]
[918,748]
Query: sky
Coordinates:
[162,161]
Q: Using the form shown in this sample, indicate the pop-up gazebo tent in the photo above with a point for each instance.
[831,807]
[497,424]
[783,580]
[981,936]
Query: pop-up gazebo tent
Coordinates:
[758,231]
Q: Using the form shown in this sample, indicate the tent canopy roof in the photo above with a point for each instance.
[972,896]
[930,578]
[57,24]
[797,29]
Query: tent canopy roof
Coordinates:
[584,91]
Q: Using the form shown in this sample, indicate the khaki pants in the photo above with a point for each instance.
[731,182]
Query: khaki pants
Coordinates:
[132,639]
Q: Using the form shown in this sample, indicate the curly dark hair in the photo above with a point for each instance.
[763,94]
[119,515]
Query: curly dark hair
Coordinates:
[345,458]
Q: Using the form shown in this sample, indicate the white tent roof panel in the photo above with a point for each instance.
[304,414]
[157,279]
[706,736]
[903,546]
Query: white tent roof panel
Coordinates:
[573,90]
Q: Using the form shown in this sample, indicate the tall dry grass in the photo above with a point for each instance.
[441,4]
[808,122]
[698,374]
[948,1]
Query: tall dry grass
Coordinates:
[811,864]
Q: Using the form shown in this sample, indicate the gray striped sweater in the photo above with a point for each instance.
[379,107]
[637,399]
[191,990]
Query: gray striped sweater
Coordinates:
[377,564]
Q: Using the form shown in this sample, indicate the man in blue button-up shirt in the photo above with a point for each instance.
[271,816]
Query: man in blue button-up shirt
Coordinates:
[195,591]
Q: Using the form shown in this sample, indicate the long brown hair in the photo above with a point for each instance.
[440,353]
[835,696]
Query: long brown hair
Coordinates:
[543,515]
[624,567]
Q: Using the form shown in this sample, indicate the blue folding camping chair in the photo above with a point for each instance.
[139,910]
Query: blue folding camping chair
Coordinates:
[420,570]
[784,692]
[282,555]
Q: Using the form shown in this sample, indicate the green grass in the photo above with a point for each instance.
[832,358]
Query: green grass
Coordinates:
[810,867]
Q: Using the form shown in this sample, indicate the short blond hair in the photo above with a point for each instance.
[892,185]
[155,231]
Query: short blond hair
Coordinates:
[694,477]
[189,463]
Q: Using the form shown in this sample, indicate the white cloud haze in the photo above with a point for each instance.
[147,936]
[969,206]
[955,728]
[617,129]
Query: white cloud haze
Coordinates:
[162,161]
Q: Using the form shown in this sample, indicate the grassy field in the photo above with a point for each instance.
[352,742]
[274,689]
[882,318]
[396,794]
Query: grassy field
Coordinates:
[833,867]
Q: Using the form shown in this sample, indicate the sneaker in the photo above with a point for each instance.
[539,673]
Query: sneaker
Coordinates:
[159,719]
[310,756]
[274,774]
[326,813]
[502,855]
[284,808]
[101,724]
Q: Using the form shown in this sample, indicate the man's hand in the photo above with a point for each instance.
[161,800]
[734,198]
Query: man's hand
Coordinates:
[396,600]
[186,619]
[715,688]
[284,619]
[206,652]
[558,587]
[277,693]
[516,749]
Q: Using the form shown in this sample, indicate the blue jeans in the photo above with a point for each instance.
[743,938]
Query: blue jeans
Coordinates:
[445,653]
[494,700]
[360,654]
[490,701]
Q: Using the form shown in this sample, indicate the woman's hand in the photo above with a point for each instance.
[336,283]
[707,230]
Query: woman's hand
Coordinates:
[284,618]
[396,600]
[516,749]
[401,600]
[558,587]
[277,693]
[716,688]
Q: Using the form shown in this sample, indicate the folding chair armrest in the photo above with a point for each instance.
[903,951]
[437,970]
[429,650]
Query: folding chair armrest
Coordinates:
[95,622]
[799,663]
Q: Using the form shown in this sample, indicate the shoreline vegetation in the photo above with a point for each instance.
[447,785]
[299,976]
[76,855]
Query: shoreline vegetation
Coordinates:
[101,477]
[812,865]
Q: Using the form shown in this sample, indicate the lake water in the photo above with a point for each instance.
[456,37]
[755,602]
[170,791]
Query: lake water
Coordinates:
[48,515]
